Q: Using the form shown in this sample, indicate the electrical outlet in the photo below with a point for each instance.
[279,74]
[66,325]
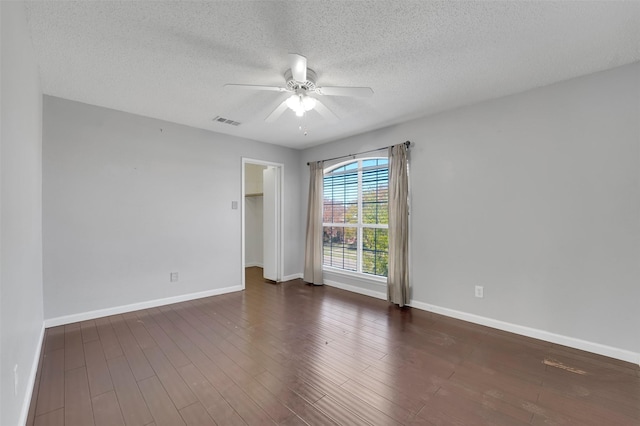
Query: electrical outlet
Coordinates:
[173,277]
[479,291]
[15,380]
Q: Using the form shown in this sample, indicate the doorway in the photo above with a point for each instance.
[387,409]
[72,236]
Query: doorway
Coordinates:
[262,208]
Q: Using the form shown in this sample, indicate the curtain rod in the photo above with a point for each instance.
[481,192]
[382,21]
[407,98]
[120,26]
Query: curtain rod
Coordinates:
[407,143]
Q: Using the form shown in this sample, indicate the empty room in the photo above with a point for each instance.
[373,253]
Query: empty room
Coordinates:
[319,213]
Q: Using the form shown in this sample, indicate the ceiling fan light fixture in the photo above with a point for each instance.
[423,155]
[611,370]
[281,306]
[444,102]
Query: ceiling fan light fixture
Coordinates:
[308,103]
[300,104]
[294,102]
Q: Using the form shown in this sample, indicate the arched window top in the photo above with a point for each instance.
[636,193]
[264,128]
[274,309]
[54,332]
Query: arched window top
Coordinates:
[352,165]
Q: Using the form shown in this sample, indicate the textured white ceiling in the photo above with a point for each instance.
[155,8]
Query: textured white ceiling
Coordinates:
[170,60]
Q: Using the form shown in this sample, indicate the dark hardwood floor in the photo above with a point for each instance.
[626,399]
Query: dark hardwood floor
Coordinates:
[294,354]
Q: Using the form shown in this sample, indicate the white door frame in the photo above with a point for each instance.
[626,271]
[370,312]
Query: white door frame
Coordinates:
[280,236]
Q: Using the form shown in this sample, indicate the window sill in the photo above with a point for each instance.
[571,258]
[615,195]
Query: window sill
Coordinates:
[368,278]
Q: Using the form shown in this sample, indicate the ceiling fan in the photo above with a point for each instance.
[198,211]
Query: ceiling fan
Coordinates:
[301,83]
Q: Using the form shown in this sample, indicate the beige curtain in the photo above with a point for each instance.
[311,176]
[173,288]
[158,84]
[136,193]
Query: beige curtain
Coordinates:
[313,245]
[398,266]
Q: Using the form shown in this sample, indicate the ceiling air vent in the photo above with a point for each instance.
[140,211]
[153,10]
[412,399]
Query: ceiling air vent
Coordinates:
[223,120]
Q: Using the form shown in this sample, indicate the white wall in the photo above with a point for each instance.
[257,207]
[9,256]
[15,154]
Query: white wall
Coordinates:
[253,232]
[129,199]
[253,178]
[537,198]
[21,313]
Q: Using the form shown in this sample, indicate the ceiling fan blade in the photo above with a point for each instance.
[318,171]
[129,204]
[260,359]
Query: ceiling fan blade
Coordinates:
[298,67]
[362,92]
[276,113]
[325,112]
[256,87]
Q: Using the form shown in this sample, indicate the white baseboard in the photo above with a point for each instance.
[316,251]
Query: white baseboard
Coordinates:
[596,348]
[84,316]
[354,289]
[31,380]
[292,277]
[252,264]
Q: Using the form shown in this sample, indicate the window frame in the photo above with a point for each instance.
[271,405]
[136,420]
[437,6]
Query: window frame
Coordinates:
[359,225]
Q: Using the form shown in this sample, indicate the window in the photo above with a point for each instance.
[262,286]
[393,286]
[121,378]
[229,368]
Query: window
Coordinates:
[355,216]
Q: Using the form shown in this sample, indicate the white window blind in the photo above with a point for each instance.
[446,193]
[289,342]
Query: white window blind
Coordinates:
[355,216]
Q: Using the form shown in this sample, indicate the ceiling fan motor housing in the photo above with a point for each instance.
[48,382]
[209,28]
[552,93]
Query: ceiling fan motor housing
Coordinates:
[309,85]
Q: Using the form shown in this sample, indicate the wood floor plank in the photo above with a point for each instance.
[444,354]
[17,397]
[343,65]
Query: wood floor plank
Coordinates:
[106,410]
[51,389]
[500,382]
[196,415]
[491,398]
[162,409]
[77,407]
[97,369]
[398,395]
[339,413]
[139,331]
[52,418]
[546,416]
[582,410]
[354,403]
[73,347]
[250,412]
[108,338]
[135,357]
[246,362]
[54,339]
[132,404]
[287,385]
[261,396]
[178,390]
[420,385]
[297,354]
[241,403]
[419,421]
[609,392]
[445,406]
[293,421]
[212,401]
[381,403]
[89,331]
[299,403]
[170,349]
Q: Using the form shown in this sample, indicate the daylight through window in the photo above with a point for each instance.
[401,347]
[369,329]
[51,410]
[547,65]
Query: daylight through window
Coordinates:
[355,216]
